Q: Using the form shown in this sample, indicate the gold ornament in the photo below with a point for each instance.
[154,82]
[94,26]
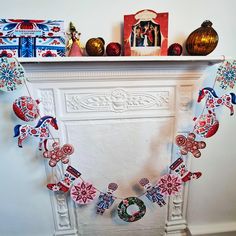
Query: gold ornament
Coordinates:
[95,47]
[203,40]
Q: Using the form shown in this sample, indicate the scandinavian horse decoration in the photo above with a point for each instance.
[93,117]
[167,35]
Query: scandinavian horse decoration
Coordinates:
[41,130]
[213,101]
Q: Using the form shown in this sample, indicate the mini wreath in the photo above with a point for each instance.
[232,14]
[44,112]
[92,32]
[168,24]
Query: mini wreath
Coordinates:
[134,216]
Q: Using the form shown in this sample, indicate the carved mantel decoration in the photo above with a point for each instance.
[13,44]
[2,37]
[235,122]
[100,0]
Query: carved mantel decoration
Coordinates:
[103,100]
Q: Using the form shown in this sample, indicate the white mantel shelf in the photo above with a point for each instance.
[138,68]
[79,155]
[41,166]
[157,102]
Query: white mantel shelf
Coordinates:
[96,68]
[104,59]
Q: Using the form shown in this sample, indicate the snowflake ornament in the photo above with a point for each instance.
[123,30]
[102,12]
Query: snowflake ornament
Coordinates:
[11,74]
[226,74]
[170,184]
[83,193]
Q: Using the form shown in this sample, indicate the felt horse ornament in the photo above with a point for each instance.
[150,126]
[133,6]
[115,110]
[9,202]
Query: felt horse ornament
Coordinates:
[41,130]
[213,101]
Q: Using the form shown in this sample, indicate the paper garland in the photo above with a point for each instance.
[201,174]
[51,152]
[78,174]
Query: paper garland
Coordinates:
[41,130]
[131,215]
[59,153]
[26,108]
[206,125]
[152,192]
[170,184]
[189,144]
[83,193]
[213,101]
[180,169]
[65,184]
[226,74]
[105,200]
[12,74]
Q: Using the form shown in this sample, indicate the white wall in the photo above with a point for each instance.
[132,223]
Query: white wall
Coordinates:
[105,19]
[211,206]
[212,198]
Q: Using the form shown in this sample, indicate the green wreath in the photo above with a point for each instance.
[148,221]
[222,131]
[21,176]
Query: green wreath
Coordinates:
[123,206]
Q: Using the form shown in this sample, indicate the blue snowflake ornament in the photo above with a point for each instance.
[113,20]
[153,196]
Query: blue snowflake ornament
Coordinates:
[11,74]
[226,74]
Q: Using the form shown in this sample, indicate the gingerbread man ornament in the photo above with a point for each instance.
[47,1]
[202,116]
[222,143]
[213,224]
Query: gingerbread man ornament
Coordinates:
[189,144]
[59,153]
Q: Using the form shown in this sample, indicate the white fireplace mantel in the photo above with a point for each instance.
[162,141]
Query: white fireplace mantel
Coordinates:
[119,109]
[122,67]
[169,59]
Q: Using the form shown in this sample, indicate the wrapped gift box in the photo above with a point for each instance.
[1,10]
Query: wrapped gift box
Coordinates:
[32,38]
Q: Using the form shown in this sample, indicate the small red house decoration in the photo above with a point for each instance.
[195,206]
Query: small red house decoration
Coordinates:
[146,34]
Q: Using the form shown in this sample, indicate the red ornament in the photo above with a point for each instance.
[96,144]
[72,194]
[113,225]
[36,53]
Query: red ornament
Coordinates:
[113,49]
[206,125]
[175,49]
[26,108]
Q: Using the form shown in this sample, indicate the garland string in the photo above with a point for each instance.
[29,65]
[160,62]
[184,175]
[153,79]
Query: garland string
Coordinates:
[145,182]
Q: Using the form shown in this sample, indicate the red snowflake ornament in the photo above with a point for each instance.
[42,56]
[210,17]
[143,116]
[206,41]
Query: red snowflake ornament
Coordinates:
[83,193]
[169,184]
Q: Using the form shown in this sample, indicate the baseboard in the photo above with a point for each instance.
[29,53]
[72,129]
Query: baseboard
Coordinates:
[221,229]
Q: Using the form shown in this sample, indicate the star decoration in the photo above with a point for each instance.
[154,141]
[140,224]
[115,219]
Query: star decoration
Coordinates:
[83,193]
[11,74]
[226,74]
[169,184]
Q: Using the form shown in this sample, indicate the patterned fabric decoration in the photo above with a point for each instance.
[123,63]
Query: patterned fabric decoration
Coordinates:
[59,153]
[83,193]
[41,130]
[189,144]
[226,74]
[64,185]
[180,169]
[26,108]
[11,74]
[128,215]
[170,184]
[152,193]
[213,101]
[105,200]
[206,125]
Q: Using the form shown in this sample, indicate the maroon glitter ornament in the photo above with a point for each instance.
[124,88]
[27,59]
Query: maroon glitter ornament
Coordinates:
[113,49]
[175,49]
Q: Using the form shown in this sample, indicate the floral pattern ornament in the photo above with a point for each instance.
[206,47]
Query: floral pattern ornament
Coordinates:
[83,193]
[130,216]
[226,74]
[170,184]
[26,108]
[11,74]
